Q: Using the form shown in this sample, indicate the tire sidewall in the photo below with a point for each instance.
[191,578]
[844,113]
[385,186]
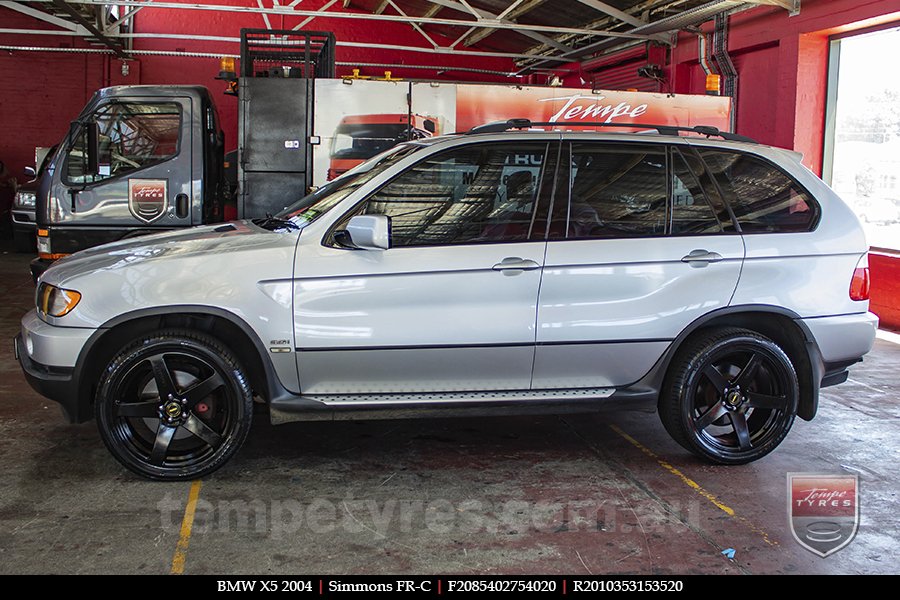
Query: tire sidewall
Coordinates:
[707,356]
[205,349]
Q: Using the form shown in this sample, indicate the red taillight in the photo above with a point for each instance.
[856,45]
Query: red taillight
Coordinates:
[859,285]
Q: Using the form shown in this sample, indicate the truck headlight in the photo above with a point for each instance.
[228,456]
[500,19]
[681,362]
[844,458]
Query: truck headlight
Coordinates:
[55,301]
[25,200]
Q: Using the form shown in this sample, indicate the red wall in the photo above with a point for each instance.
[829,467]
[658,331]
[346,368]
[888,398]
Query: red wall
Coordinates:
[884,269]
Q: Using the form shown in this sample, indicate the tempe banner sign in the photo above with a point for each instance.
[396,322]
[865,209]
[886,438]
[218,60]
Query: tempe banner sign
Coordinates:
[356,120]
[478,104]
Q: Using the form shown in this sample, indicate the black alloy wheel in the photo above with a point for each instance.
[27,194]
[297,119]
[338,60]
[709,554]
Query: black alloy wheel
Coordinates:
[175,405]
[731,396]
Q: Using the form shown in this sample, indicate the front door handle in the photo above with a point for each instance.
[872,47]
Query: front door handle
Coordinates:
[513,264]
[701,258]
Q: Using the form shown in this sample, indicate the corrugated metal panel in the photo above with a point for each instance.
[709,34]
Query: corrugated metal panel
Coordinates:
[619,72]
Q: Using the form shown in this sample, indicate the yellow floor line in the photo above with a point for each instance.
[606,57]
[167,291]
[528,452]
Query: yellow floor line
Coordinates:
[694,485]
[187,523]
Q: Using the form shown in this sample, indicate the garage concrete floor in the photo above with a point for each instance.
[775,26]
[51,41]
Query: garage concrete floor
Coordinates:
[574,494]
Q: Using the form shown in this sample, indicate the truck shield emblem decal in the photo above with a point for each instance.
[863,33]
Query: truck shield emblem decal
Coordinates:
[823,510]
[148,199]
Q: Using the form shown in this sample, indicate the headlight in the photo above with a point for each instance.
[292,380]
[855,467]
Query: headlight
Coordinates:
[25,200]
[55,301]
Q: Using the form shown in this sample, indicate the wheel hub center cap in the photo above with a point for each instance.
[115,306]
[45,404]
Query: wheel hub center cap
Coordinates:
[734,398]
[172,410]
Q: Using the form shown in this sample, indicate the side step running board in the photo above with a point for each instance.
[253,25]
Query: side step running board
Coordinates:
[337,407]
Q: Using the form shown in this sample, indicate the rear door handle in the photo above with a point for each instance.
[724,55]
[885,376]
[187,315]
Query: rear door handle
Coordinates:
[515,263]
[701,258]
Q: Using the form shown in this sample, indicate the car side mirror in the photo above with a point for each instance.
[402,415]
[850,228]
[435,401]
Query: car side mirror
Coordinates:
[368,232]
[30,172]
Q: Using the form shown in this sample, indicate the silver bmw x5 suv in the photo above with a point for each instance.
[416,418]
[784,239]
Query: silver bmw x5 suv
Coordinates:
[716,281]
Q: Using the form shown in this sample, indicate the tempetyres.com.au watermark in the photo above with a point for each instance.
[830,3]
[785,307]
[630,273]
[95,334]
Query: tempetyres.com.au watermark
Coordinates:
[278,518]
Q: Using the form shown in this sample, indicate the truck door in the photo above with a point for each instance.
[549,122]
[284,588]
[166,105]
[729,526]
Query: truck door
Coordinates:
[144,175]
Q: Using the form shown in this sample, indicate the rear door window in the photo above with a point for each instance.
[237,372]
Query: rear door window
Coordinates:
[617,190]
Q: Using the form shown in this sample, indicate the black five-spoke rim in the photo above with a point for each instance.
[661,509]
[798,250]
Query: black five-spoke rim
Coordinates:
[741,401]
[173,410]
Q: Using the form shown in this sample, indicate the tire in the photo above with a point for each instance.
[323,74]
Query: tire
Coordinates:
[195,426]
[730,396]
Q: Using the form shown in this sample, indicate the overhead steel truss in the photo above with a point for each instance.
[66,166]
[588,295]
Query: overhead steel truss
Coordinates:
[555,44]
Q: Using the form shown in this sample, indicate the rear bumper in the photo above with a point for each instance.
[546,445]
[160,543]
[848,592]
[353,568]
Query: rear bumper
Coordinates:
[843,338]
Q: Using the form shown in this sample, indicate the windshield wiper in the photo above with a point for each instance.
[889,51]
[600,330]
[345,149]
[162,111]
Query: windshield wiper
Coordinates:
[274,223]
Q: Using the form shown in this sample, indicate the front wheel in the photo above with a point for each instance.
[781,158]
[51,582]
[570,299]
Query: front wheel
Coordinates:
[174,405]
[730,396]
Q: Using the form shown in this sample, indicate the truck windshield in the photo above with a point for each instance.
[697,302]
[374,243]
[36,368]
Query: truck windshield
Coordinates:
[313,206]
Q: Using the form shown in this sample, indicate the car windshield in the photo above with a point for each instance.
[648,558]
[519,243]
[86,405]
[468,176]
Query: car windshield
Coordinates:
[313,206]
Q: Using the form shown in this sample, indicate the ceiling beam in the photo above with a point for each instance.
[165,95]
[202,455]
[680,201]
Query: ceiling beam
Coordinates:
[214,38]
[484,14]
[123,18]
[415,25]
[362,16]
[42,16]
[607,21]
[380,8]
[614,12]
[109,42]
[307,20]
[792,6]
[511,15]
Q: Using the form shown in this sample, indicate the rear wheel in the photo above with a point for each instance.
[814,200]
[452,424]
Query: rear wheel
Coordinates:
[174,405]
[730,396]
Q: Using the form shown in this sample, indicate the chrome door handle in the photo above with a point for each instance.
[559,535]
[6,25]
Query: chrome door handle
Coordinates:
[701,258]
[514,263]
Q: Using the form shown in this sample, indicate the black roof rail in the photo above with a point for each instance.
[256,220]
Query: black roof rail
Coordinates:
[707,130]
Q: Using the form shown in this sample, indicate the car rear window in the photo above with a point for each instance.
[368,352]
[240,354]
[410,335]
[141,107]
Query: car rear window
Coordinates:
[764,198]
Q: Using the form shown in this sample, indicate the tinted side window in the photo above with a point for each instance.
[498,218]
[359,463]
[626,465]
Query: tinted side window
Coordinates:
[475,194]
[692,213]
[764,199]
[617,190]
[132,136]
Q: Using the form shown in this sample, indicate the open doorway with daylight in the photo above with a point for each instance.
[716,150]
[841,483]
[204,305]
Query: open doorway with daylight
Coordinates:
[862,137]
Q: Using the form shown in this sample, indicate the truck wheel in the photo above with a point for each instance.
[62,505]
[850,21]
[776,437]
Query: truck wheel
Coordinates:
[174,405]
[730,396]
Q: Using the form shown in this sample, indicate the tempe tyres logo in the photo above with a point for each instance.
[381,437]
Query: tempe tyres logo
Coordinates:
[148,198]
[823,510]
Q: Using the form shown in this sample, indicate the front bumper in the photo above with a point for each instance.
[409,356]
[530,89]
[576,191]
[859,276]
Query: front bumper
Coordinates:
[54,383]
[49,358]
[23,220]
